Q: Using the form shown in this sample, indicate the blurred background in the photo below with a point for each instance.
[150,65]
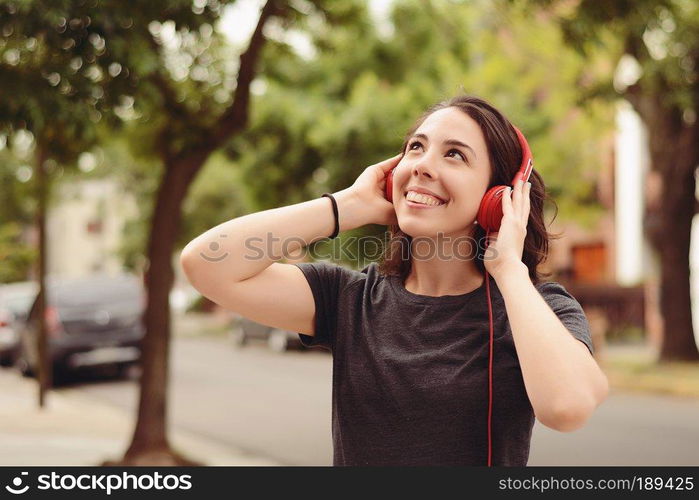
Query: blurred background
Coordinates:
[127,129]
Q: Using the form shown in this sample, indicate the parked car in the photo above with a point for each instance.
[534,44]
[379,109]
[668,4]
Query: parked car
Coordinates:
[245,330]
[91,322]
[15,301]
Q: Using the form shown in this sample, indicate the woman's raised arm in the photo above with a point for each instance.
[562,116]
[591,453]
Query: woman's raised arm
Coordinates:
[234,264]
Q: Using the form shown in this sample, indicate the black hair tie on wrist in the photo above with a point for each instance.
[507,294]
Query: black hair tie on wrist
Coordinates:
[337,217]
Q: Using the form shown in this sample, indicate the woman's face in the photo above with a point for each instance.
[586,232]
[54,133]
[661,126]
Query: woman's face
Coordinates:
[448,156]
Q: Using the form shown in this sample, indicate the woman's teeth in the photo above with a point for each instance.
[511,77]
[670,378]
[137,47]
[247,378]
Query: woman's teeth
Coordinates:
[425,199]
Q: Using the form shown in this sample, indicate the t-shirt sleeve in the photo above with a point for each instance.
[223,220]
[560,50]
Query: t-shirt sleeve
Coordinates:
[327,282]
[568,310]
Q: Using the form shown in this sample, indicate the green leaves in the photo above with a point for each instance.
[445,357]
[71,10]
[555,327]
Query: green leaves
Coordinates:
[159,75]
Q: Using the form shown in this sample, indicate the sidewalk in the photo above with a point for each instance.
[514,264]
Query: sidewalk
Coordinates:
[75,430]
[633,368]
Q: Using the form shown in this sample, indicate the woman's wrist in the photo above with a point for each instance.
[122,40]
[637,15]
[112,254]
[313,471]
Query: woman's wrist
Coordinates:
[350,210]
[514,270]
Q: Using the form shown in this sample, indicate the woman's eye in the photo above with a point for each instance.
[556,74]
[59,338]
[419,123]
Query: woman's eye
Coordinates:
[410,146]
[457,152]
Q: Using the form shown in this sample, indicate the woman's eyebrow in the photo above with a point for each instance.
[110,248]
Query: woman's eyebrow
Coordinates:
[451,142]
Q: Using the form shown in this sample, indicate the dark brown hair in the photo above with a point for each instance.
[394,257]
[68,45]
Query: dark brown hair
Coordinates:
[505,158]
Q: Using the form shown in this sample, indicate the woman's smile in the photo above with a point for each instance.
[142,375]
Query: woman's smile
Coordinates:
[414,199]
[412,204]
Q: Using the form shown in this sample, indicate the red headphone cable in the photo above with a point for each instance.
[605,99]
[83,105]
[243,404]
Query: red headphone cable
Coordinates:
[490,363]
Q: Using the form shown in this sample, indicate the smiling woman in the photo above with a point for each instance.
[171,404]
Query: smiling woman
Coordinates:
[435,360]
[487,157]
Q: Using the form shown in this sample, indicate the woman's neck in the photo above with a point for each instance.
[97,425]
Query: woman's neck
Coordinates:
[443,277]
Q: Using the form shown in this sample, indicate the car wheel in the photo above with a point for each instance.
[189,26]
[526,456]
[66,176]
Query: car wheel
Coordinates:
[238,337]
[278,340]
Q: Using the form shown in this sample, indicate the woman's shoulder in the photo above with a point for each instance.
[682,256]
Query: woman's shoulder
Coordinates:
[568,310]
[562,302]
[553,288]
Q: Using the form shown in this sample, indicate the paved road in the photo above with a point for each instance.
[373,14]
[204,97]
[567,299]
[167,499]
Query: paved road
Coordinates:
[627,429]
[272,405]
[278,406]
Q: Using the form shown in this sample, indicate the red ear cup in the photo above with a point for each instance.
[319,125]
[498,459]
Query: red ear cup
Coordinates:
[490,211]
[389,185]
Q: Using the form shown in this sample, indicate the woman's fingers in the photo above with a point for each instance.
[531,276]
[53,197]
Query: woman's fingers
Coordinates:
[517,202]
[526,202]
[386,165]
[517,196]
[507,202]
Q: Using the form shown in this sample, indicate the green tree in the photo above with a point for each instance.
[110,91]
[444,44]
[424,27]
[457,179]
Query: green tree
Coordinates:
[323,119]
[660,40]
[52,102]
[16,254]
[182,126]
[164,73]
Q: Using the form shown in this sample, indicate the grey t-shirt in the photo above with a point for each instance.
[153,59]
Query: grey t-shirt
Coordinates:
[410,372]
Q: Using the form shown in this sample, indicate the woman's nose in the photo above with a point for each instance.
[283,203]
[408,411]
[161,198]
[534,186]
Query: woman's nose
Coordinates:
[424,167]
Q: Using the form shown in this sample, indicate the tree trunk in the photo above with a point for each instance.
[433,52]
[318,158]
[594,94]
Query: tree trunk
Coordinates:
[677,213]
[149,445]
[675,154]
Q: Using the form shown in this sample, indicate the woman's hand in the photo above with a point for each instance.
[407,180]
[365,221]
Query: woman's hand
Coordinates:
[369,189]
[507,244]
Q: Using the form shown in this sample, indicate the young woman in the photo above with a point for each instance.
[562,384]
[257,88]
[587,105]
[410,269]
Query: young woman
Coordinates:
[442,354]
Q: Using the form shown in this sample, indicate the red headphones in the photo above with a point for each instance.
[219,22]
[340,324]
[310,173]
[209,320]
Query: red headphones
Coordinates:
[489,218]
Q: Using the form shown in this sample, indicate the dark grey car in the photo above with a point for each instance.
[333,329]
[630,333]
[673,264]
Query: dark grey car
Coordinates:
[91,322]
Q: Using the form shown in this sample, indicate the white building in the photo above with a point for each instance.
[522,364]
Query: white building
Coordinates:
[84,228]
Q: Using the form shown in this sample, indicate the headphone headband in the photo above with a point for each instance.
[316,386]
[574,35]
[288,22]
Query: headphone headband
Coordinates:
[527,165]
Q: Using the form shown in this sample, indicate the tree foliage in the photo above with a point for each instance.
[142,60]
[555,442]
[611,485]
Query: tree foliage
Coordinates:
[656,46]
[321,120]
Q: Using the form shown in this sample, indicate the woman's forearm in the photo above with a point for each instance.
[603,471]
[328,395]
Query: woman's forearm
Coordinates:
[243,247]
[563,381]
